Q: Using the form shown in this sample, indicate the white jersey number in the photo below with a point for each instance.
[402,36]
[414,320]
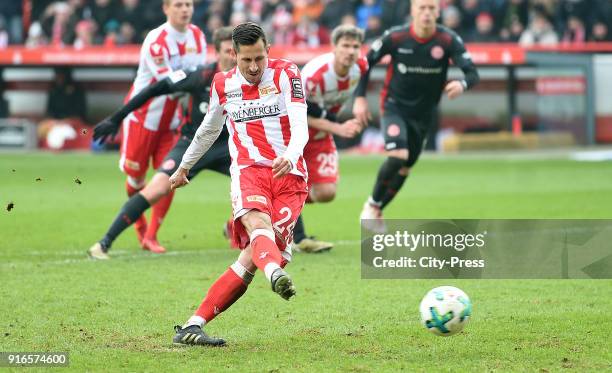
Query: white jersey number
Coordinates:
[328,164]
[282,228]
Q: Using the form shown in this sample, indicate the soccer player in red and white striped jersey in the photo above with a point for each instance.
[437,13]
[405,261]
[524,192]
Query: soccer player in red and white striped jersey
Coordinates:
[148,133]
[330,81]
[262,104]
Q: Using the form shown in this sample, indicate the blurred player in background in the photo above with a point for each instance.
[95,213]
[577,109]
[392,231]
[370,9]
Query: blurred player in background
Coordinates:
[330,81]
[197,83]
[266,113]
[416,77]
[148,133]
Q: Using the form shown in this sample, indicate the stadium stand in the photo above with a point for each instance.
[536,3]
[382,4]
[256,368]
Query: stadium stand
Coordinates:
[304,22]
[503,36]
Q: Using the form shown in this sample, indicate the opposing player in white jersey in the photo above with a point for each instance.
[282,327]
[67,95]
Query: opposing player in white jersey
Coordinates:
[148,133]
[262,104]
[330,81]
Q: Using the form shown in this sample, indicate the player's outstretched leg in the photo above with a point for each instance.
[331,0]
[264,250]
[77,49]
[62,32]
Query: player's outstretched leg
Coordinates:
[131,210]
[228,288]
[267,257]
[282,283]
[265,254]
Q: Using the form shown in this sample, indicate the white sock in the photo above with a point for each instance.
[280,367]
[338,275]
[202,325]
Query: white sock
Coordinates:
[195,320]
[374,203]
[242,272]
[269,269]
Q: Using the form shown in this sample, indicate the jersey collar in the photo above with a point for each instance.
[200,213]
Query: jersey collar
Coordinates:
[417,38]
[175,34]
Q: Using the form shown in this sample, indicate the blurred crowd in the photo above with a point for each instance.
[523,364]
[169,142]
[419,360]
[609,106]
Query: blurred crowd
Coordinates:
[305,22]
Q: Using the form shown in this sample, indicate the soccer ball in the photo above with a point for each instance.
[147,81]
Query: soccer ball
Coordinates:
[445,310]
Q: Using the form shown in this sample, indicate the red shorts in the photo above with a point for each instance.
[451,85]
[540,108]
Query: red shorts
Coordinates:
[253,188]
[139,145]
[322,161]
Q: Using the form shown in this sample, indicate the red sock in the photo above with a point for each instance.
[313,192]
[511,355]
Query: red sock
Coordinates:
[141,223]
[223,293]
[264,249]
[158,213]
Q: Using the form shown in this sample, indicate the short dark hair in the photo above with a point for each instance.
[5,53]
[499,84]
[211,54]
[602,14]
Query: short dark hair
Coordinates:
[168,2]
[348,31]
[248,33]
[221,34]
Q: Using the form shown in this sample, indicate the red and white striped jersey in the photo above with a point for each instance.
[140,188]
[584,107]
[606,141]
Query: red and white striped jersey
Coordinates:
[326,88]
[163,51]
[265,120]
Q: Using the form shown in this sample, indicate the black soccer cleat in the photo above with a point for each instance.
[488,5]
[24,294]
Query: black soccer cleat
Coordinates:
[194,335]
[282,284]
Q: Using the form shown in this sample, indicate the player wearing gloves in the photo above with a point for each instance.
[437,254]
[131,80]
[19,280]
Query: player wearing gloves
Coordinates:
[197,84]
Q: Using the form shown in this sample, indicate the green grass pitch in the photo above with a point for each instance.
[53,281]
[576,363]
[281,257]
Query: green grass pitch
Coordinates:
[118,315]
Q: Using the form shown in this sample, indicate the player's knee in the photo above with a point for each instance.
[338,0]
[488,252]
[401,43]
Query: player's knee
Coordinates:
[398,153]
[162,183]
[392,165]
[323,192]
[326,196]
[254,219]
[157,188]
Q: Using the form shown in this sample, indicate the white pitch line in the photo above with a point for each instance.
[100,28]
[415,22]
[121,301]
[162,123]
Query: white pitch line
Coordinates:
[347,242]
[118,255]
[84,258]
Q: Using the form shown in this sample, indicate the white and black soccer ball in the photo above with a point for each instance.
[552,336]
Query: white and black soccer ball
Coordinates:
[445,310]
